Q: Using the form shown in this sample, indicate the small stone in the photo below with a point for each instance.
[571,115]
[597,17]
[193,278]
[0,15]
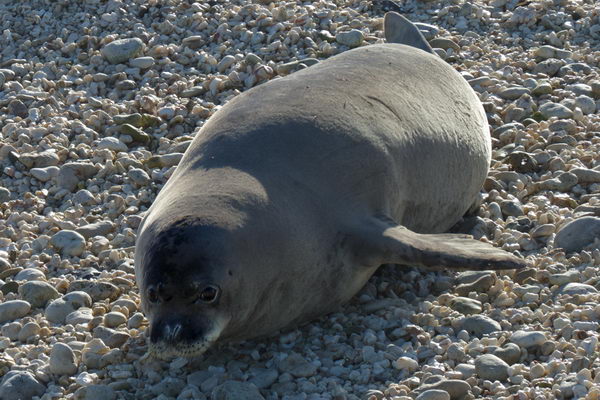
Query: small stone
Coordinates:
[4,195]
[114,319]
[457,389]
[225,63]
[100,228]
[121,50]
[513,93]
[353,38]
[44,174]
[466,305]
[490,367]
[98,290]
[18,108]
[29,330]
[296,365]
[142,62]
[20,385]
[38,293]
[510,353]
[511,208]
[84,197]
[135,321]
[233,390]
[575,288]
[555,110]
[70,243]
[193,42]
[578,234]
[586,104]
[264,378]
[563,279]
[13,309]
[71,174]
[480,325]
[29,274]
[80,316]
[112,143]
[406,363]
[95,392]
[62,360]
[139,176]
[542,89]
[445,43]
[527,339]
[434,394]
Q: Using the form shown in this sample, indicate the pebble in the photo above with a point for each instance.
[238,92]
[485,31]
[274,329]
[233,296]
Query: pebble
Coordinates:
[95,392]
[13,309]
[112,143]
[29,274]
[549,110]
[142,62]
[69,242]
[114,319]
[20,385]
[577,234]
[139,176]
[466,305]
[480,325]
[527,339]
[62,360]
[233,390]
[510,353]
[38,293]
[298,366]
[353,38]
[574,288]
[121,50]
[44,174]
[99,228]
[492,368]
[434,394]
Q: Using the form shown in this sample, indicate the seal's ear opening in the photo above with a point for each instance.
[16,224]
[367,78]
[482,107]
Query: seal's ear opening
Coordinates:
[400,30]
[382,242]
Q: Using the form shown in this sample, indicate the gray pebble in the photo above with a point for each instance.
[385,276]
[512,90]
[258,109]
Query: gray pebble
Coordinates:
[100,228]
[62,360]
[95,392]
[353,38]
[575,288]
[527,339]
[38,293]
[296,365]
[510,353]
[480,325]
[555,110]
[139,176]
[121,50]
[13,309]
[490,367]
[577,234]
[20,385]
[44,174]
[233,390]
[434,394]
[70,243]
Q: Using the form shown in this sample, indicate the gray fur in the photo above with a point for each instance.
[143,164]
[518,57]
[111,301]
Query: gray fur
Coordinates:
[295,192]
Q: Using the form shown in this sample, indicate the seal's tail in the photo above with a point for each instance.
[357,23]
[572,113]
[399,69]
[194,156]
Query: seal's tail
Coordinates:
[400,30]
[382,242]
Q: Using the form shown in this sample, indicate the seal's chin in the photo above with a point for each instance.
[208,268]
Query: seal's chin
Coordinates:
[166,350]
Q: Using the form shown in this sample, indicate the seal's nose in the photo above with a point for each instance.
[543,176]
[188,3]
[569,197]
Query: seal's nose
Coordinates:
[166,330]
[172,329]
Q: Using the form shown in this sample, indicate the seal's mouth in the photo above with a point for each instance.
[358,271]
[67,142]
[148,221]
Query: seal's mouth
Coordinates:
[167,349]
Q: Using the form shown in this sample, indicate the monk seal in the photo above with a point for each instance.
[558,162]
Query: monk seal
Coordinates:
[293,194]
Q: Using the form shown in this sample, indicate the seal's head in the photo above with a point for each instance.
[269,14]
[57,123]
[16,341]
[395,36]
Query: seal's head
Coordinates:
[184,288]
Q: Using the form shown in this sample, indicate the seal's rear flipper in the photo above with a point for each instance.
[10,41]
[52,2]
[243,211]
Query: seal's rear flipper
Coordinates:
[398,29]
[386,243]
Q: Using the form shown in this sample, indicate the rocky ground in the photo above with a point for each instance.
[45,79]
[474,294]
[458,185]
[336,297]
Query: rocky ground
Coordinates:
[98,101]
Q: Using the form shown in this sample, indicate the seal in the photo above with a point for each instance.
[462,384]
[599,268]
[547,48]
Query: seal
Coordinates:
[294,193]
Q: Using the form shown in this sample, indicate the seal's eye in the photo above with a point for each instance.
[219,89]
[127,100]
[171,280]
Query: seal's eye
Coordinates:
[209,294]
[152,295]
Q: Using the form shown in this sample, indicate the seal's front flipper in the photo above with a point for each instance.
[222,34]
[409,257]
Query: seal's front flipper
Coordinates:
[399,30]
[386,243]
